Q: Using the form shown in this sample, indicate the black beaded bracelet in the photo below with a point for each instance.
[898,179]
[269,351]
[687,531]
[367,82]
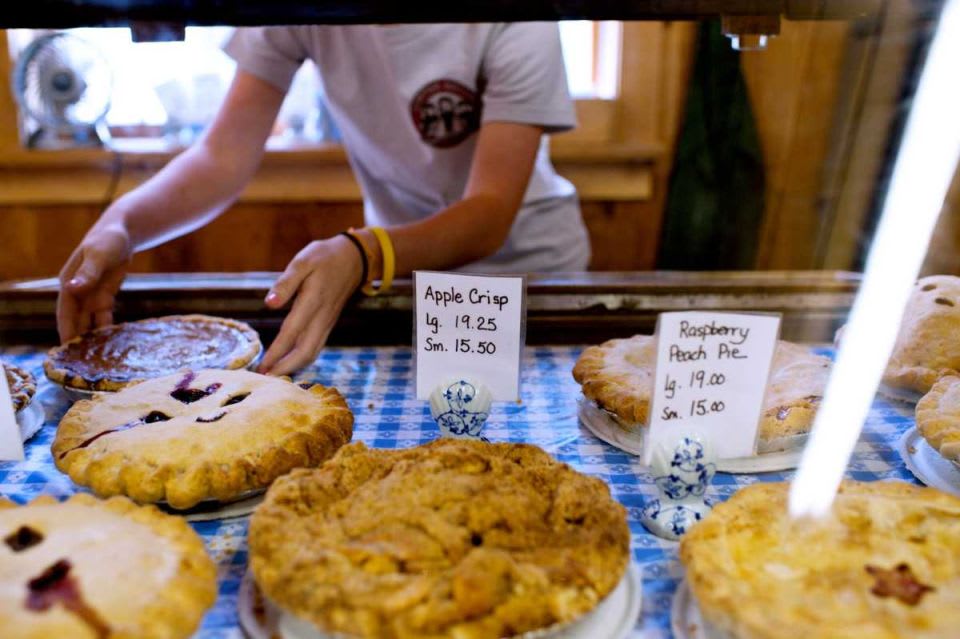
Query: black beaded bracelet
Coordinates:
[364,265]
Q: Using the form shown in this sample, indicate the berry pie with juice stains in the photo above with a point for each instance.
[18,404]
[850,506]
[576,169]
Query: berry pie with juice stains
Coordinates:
[113,357]
[883,564]
[211,435]
[618,377]
[457,538]
[21,385]
[92,569]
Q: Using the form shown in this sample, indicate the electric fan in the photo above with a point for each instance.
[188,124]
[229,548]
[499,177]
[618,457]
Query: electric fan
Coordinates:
[63,86]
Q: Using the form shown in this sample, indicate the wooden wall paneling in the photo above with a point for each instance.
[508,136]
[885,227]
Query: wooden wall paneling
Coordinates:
[624,235]
[794,86]
[9,131]
[885,52]
[943,256]
[37,241]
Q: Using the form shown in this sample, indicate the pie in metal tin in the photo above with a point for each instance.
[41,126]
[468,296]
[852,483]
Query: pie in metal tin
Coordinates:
[21,384]
[113,357]
[456,538]
[885,563]
[199,436]
[92,568]
[618,376]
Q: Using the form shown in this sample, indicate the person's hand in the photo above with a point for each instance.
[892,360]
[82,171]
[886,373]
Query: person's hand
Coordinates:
[90,279]
[319,280]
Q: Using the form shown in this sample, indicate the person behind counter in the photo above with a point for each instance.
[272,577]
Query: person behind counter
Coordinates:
[444,126]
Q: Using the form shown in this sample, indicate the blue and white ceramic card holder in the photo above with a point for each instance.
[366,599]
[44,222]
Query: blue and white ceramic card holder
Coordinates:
[682,476]
[461,406]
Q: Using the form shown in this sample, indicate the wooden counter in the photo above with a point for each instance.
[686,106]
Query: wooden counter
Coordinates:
[562,309]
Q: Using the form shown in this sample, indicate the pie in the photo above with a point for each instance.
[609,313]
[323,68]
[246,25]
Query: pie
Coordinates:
[21,385]
[457,538]
[112,357]
[618,376]
[885,564]
[938,417]
[87,568]
[211,435]
[928,344]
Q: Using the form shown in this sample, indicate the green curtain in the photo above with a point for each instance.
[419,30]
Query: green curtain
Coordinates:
[716,191]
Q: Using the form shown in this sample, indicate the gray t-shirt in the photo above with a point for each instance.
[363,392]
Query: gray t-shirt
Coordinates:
[408,100]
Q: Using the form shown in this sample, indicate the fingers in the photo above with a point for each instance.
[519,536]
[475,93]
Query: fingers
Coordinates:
[304,308]
[89,273]
[289,281]
[66,316]
[306,349]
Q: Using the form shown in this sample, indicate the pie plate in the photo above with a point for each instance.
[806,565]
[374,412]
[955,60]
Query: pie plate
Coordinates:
[603,424]
[901,395]
[614,618]
[685,619]
[213,510]
[30,420]
[76,394]
[927,464]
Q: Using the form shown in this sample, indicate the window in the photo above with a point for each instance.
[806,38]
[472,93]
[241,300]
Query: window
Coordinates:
[165,93]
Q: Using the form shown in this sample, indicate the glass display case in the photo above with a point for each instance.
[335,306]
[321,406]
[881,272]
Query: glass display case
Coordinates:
[793,159]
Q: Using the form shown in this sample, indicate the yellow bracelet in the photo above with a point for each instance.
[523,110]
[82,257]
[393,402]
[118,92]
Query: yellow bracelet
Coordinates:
[389,263]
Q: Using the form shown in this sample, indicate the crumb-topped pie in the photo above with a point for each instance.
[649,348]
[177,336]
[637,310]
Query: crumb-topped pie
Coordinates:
[112,357]
[456,538]
[86,568]
[928,344]
[938,417]
[21,385]
[198,436]
[618,376]
[884,564]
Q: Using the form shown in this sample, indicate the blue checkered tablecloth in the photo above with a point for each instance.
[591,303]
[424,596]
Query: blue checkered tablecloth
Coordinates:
[379,384]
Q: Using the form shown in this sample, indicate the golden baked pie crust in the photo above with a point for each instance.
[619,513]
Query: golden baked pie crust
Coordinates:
[927,346]
[60,369]
[758,575]
[938,417]
[451,539]
[618,376]
[161,593]
[207,449]
[21,384]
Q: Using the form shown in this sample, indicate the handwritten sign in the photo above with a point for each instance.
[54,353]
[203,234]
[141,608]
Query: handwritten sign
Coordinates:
[471,326]
[711,376]
[11,446]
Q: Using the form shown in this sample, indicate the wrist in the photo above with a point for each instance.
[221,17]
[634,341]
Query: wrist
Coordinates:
[352,259]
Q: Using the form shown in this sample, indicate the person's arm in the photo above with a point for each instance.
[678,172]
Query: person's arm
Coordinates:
[321,278]
[190,191]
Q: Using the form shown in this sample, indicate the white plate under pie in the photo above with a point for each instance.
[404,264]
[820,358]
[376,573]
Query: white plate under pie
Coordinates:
[614,618]
[901,395]
[604,426]
[244,505]
[927,464]
[30,420]
[686,621]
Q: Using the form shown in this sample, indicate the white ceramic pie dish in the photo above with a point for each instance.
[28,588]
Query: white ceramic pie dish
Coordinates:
[30,419]
[212,510]
[785,451]
[686,622]
[614,618]
[928,465]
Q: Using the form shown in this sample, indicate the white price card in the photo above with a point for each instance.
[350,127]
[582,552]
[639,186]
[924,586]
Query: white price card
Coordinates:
[11,446]
[711,375]
[470,326]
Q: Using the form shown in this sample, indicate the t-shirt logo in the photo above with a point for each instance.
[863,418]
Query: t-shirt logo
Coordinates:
[445,112]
